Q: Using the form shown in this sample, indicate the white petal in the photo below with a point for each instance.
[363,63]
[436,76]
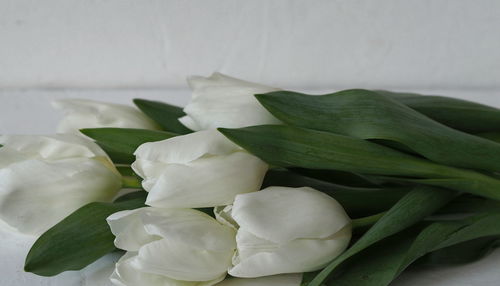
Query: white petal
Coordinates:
[276,280]
[222,101]
[299,213]
[257,257]
[184,149]
[248,245]
[194,246]
[126,275]
[189,123]
[35,195]
[206,182]
[188,244]
[135,228]
[80,113]
[180,261]
[52,147]
[9,156]
[191,227]
[150,171]
[128,228]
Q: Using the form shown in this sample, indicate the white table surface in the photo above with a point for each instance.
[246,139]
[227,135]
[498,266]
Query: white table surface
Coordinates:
[28,111]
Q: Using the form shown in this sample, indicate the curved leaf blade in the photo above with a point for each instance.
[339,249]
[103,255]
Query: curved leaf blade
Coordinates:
[456,113]
[287,146]
[381,264]
[366,114]
[164,114]
[465,252]
[79,239]
[401,216]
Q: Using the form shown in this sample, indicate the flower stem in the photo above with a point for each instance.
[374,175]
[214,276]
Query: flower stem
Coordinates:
[131,183]
[129,178]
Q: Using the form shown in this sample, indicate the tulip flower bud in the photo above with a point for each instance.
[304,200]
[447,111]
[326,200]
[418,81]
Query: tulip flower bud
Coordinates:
[223,101]
[276,280]
[81,113]
[285,230]
[45,178]
[170,247]
[201,169]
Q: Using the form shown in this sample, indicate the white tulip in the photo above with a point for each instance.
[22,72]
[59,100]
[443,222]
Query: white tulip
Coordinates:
[223,101]
[168,247]
[45,178]
[201,169]
[276,280]
[82,113]
[285,230]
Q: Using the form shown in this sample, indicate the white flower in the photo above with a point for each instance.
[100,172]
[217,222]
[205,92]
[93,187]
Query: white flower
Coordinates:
[45,178]
[81,113]
[166,247]
[201,169]
[276,280]
[223,101]
[285,230]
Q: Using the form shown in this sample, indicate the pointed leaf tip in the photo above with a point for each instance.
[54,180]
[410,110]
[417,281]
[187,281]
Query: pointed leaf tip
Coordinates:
[166,115]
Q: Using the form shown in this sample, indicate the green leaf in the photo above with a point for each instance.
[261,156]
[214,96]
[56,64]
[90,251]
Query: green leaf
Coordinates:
[399,217]
[374,200]
[366,114]
[461,253]
[130,180]
[337,177]
[135,195]
[362,224]
[468,204]
[287,146]
[375,265]
[164,114]
[456,113]
[121,143]
[79,239]
[382,263]
[493,136]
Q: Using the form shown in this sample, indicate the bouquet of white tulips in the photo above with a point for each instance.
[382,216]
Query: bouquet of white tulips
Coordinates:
[253,185]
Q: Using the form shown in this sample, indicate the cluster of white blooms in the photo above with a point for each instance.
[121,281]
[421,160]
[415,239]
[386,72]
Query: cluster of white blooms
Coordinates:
[257,235]
[260,237]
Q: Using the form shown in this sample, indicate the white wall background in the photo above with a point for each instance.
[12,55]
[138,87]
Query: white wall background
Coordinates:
[156,43]
[115,50]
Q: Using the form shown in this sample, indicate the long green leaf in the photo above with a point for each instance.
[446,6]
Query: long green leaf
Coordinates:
[412,208]
[468,204]
[493,136]
[366,114]
[459,114]
[337,177]
[121,143]
[461,253]
[287,146]
[164,114]
[79,239]
[381,264]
